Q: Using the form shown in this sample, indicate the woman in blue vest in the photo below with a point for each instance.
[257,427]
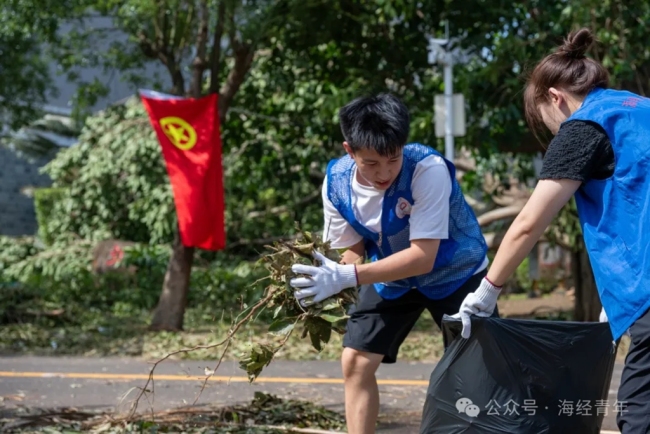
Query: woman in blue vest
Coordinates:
[601,155]
[398,204]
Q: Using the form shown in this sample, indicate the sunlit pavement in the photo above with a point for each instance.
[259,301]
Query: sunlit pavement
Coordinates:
[47,382]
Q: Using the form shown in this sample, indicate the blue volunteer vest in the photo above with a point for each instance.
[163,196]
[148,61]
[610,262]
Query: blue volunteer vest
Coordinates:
[458,257]
[615,212]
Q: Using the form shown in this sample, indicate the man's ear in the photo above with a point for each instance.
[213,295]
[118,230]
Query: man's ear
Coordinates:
[348,149]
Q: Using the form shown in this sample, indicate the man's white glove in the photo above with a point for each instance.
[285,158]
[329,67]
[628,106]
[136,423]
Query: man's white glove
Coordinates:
[603,316]
[481,302]
[324,281]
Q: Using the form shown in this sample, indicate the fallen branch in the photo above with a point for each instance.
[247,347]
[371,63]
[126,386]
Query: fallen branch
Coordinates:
[476,205]
[226,341]
[500,214]
[493,239]
[210,374]
[318,319]
[465,164]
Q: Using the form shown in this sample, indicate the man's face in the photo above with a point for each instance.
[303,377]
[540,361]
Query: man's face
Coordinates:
[374,169]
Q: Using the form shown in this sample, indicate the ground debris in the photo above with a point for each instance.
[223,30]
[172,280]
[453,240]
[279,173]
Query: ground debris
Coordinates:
[265,414]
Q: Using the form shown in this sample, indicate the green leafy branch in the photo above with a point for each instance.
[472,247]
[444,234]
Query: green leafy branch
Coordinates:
[318,320]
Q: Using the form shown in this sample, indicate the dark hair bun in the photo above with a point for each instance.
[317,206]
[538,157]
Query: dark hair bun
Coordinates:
[577,44]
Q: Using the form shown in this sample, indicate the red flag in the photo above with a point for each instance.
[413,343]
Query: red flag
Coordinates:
[189,134]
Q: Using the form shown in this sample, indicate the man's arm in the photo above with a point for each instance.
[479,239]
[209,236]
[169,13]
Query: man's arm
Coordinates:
[354,254]
[428,224]
[414,261]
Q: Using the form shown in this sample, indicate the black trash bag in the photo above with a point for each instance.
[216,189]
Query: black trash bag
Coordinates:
[521,377]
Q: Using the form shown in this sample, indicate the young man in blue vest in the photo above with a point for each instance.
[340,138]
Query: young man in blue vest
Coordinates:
[400,205]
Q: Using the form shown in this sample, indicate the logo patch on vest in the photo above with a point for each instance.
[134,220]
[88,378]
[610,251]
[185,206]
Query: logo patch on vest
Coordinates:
[631,102]
[403,208]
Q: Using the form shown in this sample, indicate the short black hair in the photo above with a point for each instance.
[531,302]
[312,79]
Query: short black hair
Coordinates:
[380,122]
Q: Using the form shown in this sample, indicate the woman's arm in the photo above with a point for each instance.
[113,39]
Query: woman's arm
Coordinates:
[547,200]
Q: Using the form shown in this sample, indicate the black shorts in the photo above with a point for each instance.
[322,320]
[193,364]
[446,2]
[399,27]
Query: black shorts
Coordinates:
[380,326]
[632,406]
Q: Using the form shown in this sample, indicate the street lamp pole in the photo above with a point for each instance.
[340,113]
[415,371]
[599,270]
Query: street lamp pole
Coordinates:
[438,51]
[449,107]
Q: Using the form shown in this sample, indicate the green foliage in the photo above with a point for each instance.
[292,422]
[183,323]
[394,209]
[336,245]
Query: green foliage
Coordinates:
[56,265]
[522,276]
[57,285]
[268,410]
[24,26]
[566,230]
[282,127]
[38,280]
[44,201]
[114,181]
[276,148]
[14,250]
[504,42]
[225,287]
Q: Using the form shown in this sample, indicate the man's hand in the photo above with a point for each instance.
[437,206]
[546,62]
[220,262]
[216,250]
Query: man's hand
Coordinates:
[481,302]
[324,281]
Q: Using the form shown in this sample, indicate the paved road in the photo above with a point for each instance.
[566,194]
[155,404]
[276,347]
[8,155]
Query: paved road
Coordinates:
[100,383]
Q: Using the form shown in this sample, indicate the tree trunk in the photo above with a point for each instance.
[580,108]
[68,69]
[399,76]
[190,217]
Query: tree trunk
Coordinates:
[587,300]
[170,310]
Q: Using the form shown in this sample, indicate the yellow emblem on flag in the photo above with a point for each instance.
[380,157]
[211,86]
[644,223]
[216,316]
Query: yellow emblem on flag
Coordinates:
[179,132]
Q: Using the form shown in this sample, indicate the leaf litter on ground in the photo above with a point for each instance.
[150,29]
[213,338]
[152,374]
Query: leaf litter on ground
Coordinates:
[265,414]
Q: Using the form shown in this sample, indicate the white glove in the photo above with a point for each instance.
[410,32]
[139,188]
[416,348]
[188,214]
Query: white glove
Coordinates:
[603,316]
[325,281]
[481,302]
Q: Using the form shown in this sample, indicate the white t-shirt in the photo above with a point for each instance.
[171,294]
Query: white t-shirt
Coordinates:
[429,213]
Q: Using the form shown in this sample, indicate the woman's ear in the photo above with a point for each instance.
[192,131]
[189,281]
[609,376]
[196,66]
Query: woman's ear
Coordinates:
[555,97]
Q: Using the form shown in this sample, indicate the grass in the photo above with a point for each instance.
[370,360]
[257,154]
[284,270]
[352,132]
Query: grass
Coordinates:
[97,334]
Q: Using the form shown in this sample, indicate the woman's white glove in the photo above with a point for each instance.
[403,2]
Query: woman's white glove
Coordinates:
[481,302]
[324,281]
[603,316]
